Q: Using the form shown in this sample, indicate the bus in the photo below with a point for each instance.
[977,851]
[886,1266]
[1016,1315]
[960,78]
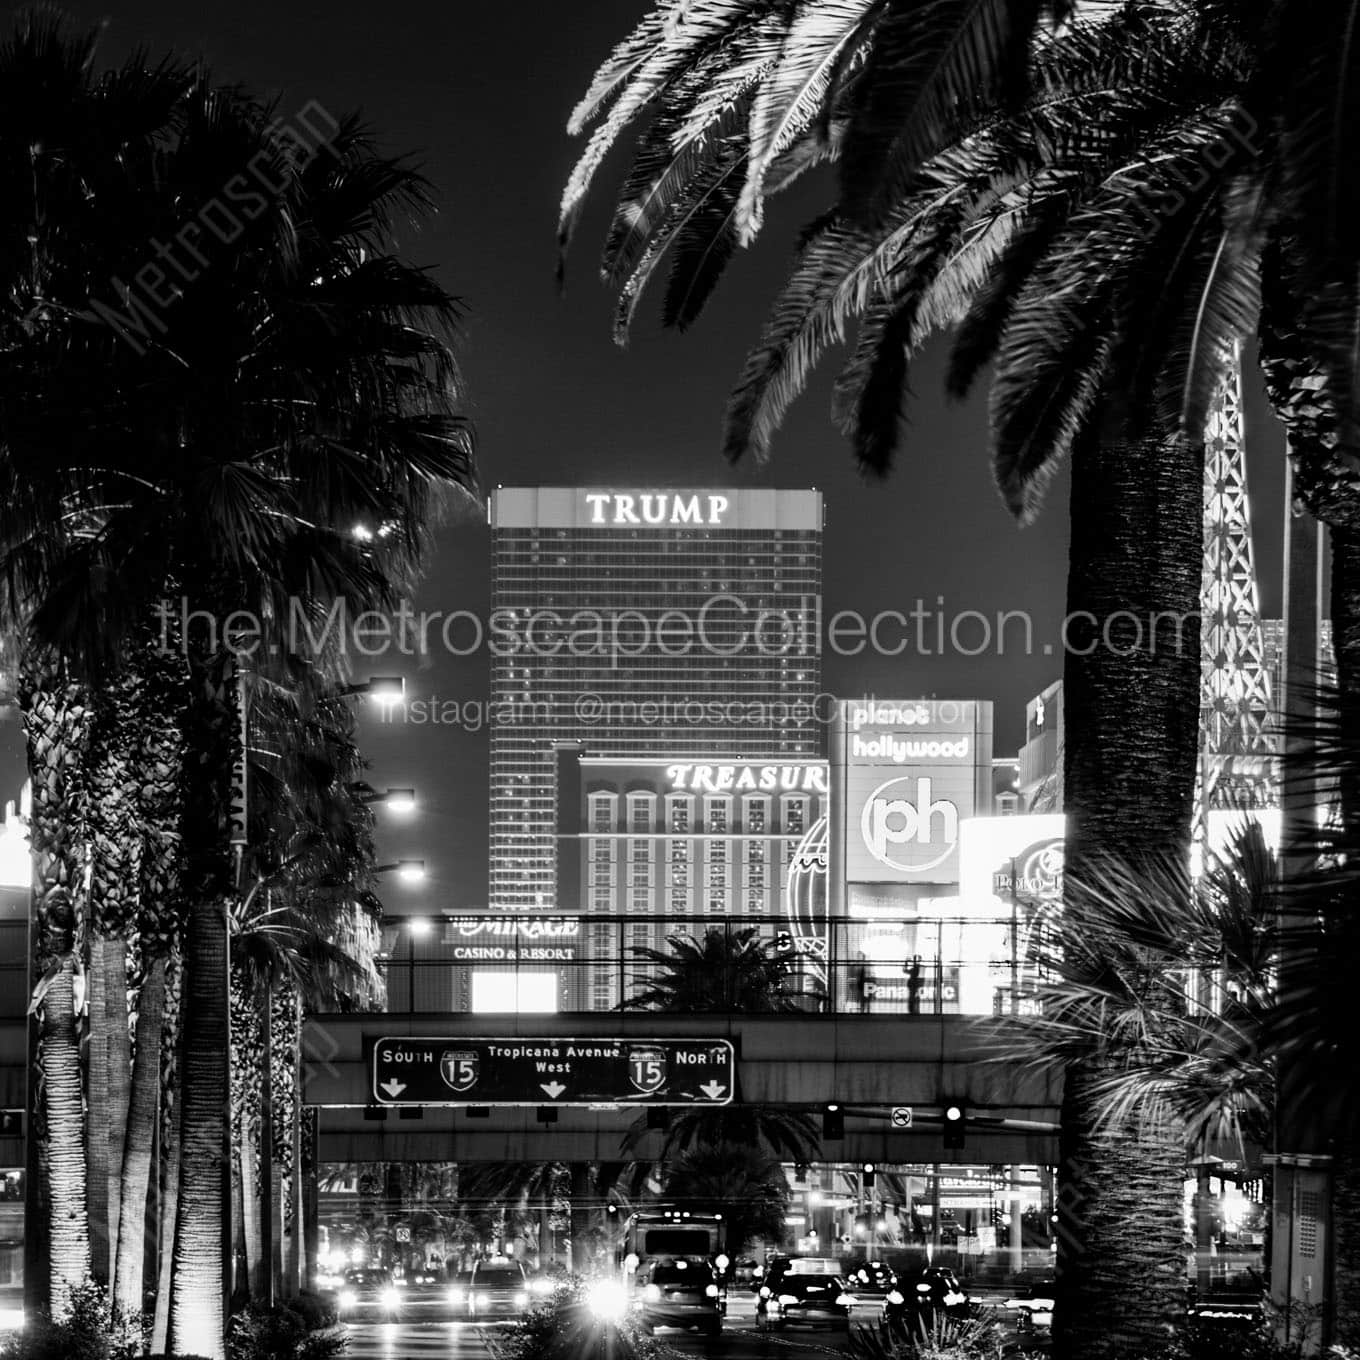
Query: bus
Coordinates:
[670,1232]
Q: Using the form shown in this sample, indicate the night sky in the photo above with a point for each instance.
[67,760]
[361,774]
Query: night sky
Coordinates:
[480,94]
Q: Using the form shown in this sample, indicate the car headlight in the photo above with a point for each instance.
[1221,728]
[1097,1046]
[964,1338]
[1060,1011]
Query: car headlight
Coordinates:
[401,1284]
[846,1300]
[391,1297]
[540,1286]
[483,1300]
[608,1300]
[456,1297]
[896,1296]
[922,1288]
[764,1291]
[786,1299]
[348,1298]
[711,1290]
[953,1297]
[521,1298]
[652,1293]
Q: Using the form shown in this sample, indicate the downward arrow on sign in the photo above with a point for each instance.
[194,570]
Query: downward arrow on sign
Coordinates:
[393,1088]
[553,1088]
[713,1089]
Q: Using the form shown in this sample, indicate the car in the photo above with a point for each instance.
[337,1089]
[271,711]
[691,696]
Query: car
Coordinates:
[778,1266]
[369,1292]
[1226,1310]
[1033,1305]
[922,1296]
[678,1291]
[745,1272]
[873,1278]
[799,1299]
[425,1296]
[497,1288]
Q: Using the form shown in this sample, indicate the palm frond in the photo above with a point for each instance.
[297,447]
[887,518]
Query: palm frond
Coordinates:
[797,95]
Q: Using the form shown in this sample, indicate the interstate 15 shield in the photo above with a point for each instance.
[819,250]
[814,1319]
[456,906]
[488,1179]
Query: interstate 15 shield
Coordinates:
[459,1068]
[647,1069]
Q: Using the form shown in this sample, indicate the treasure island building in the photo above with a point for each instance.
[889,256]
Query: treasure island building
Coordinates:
[641,622]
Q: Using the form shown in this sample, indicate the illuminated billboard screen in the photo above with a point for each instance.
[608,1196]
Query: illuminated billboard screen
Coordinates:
[905,774]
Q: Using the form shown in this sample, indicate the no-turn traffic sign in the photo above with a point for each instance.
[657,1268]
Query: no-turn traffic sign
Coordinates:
[901,1116]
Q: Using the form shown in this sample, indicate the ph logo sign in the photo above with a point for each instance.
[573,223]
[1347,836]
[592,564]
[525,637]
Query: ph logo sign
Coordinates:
[908,829]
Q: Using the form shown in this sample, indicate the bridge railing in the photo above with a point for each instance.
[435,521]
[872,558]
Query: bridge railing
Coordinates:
[961,965]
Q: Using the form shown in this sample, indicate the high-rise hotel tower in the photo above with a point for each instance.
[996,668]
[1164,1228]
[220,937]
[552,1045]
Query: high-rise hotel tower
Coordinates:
[642,622]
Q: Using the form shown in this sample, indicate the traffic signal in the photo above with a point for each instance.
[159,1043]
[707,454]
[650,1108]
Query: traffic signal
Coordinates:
[611,1212]
[955,1123]
[833,1122]
[867,1175]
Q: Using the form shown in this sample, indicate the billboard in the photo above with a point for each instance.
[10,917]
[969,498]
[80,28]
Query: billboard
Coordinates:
[905,774]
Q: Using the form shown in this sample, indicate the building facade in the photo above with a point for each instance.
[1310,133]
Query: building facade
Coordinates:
[683,844]
[683,623]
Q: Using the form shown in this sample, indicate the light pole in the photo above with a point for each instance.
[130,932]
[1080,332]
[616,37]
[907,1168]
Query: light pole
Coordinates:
[416,928]
[409,871]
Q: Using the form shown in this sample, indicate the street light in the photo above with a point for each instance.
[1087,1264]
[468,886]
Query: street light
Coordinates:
[400,801]
[408,870]
[384,690]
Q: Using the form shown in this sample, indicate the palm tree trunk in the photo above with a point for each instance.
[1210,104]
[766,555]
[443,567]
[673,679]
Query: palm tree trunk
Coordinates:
[143,1108]
[197,1316]
[160,1332]
[202,1229]
[97,1102]
[56,731]
[296,1246]
[1132,698]
[65,1138]
[248,1148]
[268,1171]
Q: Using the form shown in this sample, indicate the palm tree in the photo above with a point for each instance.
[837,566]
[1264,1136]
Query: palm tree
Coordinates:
[725,970]
[301,383]
[743,1183]
[1066,225]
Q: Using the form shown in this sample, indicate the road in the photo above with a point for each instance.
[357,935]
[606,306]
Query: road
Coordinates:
[468,1341]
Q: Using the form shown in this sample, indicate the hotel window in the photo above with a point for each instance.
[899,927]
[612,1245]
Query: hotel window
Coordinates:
[679,815]
[756,815]
[602,813]
[795,816]
[719,816]
[679,901]
[602,901]
[640,812]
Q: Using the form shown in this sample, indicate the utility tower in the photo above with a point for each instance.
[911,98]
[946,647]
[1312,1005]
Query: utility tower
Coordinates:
[1237,741]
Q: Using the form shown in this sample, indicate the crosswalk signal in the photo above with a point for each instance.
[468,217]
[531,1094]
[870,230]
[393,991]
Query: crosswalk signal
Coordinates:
[833,1122]
[867,1175]
[955,1123]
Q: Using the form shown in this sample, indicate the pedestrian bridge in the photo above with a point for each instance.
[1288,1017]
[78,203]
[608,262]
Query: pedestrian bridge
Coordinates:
[868,1064]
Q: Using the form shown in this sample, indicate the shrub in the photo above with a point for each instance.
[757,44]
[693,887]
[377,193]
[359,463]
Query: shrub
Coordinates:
[317,1311]
[280,1334]
[88,1332]
[974,1338]
[565,1328]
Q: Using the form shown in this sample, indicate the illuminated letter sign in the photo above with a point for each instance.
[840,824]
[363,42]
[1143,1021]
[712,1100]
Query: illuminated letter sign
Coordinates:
[656,508]
[892,822]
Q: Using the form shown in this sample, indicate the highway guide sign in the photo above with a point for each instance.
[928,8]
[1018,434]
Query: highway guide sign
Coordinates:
[520,1071]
